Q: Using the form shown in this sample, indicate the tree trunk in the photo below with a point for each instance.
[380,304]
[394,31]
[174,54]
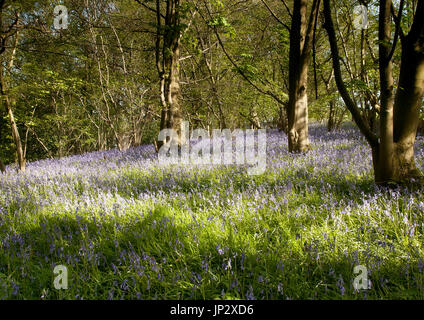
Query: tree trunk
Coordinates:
[393,151]
[384,170]
[3,88]
[298,114]
[331,117]
[160,67]
[167,63]
[283,123]
[16,137]
[396,161]
[301,33]
[407,105]
[15,131]
[421,127]
[174,117]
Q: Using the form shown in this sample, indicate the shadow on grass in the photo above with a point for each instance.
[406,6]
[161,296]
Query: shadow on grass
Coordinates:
[151,255]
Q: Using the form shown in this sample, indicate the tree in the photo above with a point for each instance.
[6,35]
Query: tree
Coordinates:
[10,33]
[119,103]
[301,39]
[393,148]
[167,52]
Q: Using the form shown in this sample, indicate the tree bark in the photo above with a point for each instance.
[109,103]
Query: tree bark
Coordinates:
[408,99]
[15,131]
[331,116]
[168,39]
[2,167]
[421,127]
[301,37]
[6,100]
[15,134]
[174,118]
[283,122]
[393,151]
[384,169]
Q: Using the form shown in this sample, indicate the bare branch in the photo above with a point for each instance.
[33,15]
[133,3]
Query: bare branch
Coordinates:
[350,104]
[275,16]
[398,31]
[150,8]
[287,8]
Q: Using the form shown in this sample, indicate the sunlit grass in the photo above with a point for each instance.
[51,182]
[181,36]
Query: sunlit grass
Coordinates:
[137,231]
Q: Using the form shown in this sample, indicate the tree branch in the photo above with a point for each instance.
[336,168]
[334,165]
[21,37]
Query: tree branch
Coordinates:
[287,8]
[398,31]
[356,114]
[275,16]
[150,8]
[266,92]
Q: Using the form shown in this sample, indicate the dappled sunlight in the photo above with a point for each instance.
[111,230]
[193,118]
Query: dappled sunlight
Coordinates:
[130,229]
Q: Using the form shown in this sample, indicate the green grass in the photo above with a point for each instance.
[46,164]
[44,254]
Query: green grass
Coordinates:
[211,234]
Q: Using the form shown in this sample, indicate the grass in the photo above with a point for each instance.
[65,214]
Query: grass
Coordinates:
[134,230]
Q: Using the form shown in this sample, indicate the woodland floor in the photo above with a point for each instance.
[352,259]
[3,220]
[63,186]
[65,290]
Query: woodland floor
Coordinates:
[126,227]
